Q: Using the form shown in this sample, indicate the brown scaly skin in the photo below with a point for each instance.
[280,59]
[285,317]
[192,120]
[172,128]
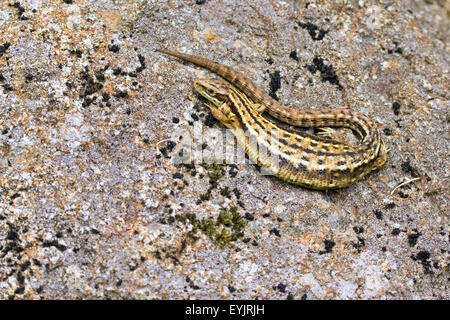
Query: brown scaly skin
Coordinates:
[307,160]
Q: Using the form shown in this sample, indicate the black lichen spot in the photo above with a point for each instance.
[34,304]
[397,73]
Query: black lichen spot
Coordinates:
[358,230]
[100,76]
[94,231]
[378,214]
[19,290]
[360,244]
[7,87]
[233,171]
[90,85]
[396,108]
[209,120]
[117,71]
[396,49]
[275,84]
[194,117]
[113,48]
[387,131]
[12,235]
[412,238]
[142,62]
[68,1]
[249,216]
[4,47]
[327,72]
[25,265]
[121,94]
[424,257]
[175,120]
[168,148]
[77,53]
[407,168]
[55,244]
[314,31]
[275,231]
[293,55]
[281,287]
[70,85]
[177,175]
[2,78]
[15,195]
[390,205]
[20,10]
[402,195]
[329,244]
[225,192]
[200,1]
[395,232]
[231,289]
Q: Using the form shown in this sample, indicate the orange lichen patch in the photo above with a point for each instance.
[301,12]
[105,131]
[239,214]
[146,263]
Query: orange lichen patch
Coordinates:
[196,36]
[169,167]
[210,35]
[140,185]
[373,70]
[109,88]
[393,64]
[306,239]
[112,17]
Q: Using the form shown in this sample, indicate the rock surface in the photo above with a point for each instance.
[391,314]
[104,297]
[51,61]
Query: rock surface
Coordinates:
[94,203]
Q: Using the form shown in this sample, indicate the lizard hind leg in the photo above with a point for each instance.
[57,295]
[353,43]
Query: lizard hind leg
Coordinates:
[327,132]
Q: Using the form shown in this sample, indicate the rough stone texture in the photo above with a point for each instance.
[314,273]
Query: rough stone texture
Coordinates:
[93,205]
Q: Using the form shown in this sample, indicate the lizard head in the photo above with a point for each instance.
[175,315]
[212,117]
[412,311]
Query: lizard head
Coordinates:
[217,92]
[214,90]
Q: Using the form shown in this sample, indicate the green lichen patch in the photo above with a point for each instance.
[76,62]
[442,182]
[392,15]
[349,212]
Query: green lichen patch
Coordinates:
[215,172]
[226,228]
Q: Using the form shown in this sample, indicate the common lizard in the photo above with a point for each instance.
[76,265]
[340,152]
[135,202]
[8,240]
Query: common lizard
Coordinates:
[303,159]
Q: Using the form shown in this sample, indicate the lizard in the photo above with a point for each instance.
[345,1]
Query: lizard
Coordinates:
[308,160]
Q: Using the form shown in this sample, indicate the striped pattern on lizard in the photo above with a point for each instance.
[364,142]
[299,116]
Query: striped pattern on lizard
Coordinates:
[308,160]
